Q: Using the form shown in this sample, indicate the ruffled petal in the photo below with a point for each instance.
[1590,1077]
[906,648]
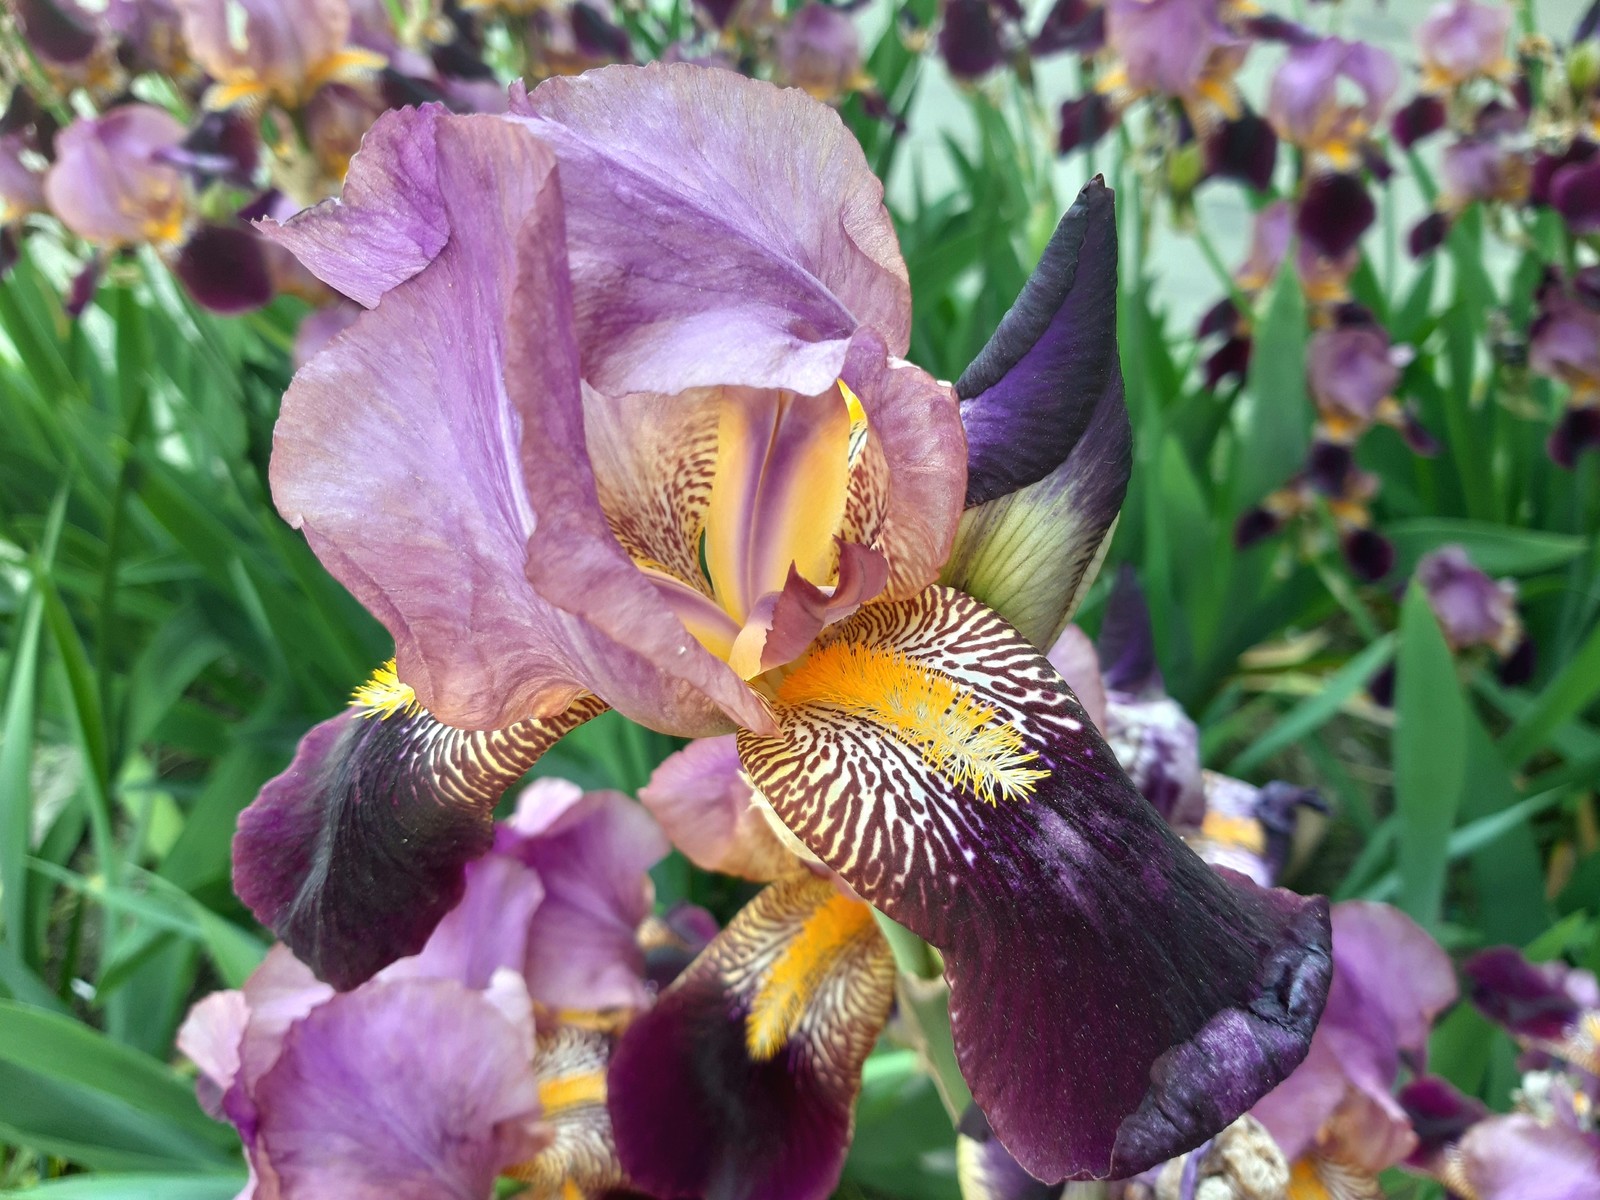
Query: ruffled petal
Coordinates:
[1114,1001]
[354,854]
[707,807]
[416,1089]
[592,852]
[741,1082]
[391,219]
[721,230]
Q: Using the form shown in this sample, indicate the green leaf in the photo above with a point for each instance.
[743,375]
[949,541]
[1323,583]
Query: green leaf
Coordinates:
[137,1187]
[1315,711]
[1496,549]
[1430,754]
[64,1050]
[1572,690]
[1274,427]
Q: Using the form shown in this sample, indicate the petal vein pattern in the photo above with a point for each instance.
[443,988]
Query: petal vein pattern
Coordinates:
[1114,1001]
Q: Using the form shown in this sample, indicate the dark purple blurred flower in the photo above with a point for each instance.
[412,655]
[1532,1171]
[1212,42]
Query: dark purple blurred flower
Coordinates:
[1369,554]
[1575,194]
[60,32]
[1439,1114]
[1423,116]
[1473,609]
[1334,211]
[110,183]
[224,267]
[1546,166]
[1428,234]
[1078,25]
[819,50]
[1547,1007]
[1084,122]
[1306,106]
[1577,431]
[1245,149]
[970,38]
[1462,39]
[1338,1109]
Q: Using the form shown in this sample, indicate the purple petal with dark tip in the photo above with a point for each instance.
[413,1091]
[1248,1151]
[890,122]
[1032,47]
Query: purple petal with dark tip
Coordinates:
[1029,395]
[354,854]
[1173,997]
[1333,214]
[740,1084]
[415,1089]
[225,269]
[1245,149]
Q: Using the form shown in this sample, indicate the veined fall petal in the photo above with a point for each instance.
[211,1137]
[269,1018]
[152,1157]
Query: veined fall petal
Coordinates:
[741,1082]
[1113,1000]
[356,852]
[1049,446]
[580,1160]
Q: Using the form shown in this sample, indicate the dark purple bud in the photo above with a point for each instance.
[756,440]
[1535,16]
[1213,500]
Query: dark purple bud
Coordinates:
[1328,467]
[1416,436]
[1071,25]
[598,37]
[1127,644]
[1575,194]
[1439,1114]
[1517,667]
[83,287]
[1376,162]
[1542,178]
[1221,317]
[1231,361]
[1423,116]
[1270,28]
[1529,1000]
[1334,212]
[1427,235]
[1369,554]
[59,32]
[225,269]
[1255,525]
[1577,431]
[1084,122]
[1245,149]
[969,39]
[1381,686]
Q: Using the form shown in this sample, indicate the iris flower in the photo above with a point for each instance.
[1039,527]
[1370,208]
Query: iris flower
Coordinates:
[627,425]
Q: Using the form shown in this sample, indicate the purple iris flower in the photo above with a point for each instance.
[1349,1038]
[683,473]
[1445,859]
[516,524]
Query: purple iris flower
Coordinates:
[1305,105]
[280,51]
[1182,48]
[1564,345]
[819,50]
[626,425]
[1462,39]
[484,1054]
[1473,609]
[111,183]
[1548,1008]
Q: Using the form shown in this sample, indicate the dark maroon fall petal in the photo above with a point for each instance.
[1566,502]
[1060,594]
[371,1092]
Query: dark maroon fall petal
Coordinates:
[224,269]
[1428,234]
[1333,214]
[1369,554]
[1245,149]
[1423,116]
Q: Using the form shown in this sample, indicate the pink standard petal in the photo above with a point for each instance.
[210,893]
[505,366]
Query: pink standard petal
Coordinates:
[721,230]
